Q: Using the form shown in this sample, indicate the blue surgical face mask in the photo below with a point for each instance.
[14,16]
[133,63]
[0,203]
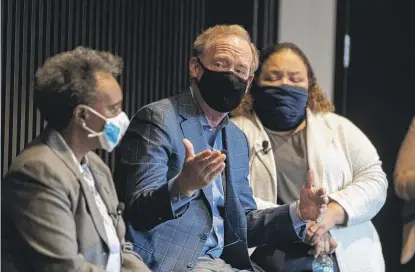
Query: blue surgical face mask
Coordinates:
[113,132]
[280,108]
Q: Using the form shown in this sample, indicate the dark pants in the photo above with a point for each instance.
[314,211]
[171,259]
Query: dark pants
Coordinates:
[290,258]
[209,263]
[409,267]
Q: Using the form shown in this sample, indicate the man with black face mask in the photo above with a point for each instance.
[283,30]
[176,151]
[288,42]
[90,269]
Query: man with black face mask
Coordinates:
[184,169]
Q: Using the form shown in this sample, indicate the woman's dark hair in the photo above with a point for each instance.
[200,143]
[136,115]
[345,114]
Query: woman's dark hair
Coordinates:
[69,79]
[317,100]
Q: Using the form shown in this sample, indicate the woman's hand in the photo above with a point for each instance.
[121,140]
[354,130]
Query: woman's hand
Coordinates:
[316,231]
[326,245]
[335,215]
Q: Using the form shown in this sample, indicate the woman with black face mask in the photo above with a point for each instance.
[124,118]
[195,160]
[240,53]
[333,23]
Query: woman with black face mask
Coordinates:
[292,131]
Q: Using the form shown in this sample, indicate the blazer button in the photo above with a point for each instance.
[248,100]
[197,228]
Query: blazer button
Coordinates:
[204,236]
[190,265]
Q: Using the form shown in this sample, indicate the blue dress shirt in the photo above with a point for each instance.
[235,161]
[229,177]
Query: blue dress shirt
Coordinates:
[215,242]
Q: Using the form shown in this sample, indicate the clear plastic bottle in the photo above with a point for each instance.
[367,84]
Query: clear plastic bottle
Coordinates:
[323,263]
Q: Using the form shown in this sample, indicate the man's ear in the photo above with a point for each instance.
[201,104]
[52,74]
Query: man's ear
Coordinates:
[249,83]
[194,68]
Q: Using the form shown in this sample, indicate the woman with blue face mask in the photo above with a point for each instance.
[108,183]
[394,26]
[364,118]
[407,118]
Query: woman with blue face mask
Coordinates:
[292,130]
[60,208]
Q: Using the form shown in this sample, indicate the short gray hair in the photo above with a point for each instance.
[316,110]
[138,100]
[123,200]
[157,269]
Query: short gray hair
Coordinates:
[69,79]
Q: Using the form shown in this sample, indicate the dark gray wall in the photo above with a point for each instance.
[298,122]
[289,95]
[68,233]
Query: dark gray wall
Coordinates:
[154,38]
[376,93]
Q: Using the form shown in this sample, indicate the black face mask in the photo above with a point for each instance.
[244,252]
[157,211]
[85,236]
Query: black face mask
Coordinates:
[222,91]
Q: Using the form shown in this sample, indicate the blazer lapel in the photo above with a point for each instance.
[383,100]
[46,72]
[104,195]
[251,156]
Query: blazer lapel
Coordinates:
[59,147]
[229,163]
[191,126]
[267,159]
[318,138]
[93,209]
[234,171]
[193,131]
[101,183]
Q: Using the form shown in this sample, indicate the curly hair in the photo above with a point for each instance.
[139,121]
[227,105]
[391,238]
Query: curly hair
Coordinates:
[69,79]
[317,100]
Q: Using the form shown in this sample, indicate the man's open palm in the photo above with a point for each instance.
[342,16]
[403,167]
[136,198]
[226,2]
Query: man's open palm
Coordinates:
[313,201]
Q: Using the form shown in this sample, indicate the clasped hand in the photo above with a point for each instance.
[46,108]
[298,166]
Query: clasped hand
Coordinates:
[318,235]
[312,207]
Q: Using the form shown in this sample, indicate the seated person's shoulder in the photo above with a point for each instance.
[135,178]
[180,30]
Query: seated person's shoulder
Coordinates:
[38,164]
[244,121]
[344,128]
[97,161]
[162,114]
[160,109]
[235,130]
[339,122]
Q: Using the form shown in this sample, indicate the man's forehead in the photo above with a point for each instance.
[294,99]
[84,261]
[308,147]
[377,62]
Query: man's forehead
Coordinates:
[231,44]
